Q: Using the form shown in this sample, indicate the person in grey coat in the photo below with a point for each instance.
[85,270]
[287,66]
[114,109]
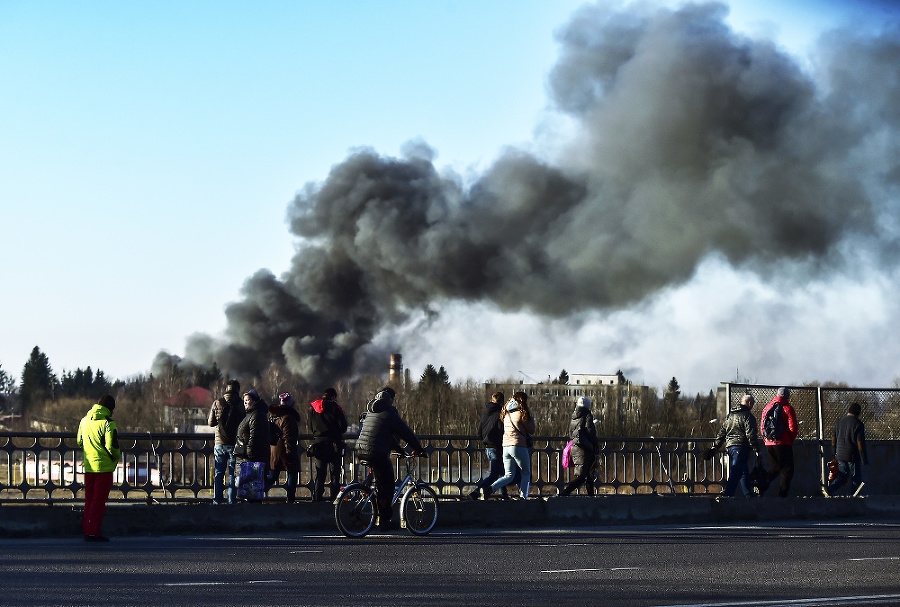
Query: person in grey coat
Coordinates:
[739,434]
[585,447]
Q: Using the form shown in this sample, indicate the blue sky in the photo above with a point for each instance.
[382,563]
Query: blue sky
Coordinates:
[148,153]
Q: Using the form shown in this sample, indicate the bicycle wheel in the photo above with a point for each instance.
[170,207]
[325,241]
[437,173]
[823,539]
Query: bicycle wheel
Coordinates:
[419,509]
[354,510]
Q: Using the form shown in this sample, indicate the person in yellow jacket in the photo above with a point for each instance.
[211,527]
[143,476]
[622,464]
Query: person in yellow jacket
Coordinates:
[99,442]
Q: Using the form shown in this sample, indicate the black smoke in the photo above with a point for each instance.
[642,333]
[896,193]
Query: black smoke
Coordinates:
[689,140]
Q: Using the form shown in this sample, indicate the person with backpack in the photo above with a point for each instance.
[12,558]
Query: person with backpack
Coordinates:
[491,432]
[849,443]
[225,416]
[284,430]
[739,434]
[779,428]
[585,446]
[327,424]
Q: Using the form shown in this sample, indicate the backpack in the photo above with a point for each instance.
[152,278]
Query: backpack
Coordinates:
[773,422]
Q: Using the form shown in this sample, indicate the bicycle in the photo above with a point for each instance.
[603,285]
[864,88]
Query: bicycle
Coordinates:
[354,509]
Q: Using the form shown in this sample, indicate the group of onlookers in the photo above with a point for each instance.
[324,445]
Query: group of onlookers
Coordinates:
[740,434]
[252,431]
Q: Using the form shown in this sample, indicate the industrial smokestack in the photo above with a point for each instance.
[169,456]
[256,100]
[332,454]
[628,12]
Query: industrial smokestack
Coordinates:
[396,369]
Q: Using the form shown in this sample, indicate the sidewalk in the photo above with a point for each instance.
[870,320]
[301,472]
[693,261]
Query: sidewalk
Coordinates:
[555,512]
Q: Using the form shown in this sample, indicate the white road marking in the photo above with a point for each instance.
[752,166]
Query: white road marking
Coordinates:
[838,600]
[877,558]
[223,583]
[581,570]
[304,551]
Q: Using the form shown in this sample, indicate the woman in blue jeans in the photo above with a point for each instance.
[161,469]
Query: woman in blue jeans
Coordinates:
[518,426]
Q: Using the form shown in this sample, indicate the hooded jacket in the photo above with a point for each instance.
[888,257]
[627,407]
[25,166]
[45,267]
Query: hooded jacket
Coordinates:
[739,430]
[252,443]
[490,429]
[584,436]
[99,441]
[790,432]
[225,416]
[326,421]
[284,455]
[382,426]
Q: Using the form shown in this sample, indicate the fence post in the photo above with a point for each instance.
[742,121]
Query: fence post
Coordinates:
[820,434]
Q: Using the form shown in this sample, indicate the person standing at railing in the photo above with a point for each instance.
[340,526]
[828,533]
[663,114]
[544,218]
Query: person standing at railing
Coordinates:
[781,449]
[585,446]
[382,429]
[252,445]
[491,431]
[327,423]
[849,443]
[225,416]
[518,426]
[739,434]
[99,441]
[285,420]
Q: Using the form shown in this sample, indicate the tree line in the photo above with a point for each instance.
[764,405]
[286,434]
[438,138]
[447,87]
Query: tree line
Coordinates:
[431,404]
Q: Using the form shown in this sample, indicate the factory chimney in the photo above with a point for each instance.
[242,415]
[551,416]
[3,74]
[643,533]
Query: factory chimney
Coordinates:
[396,375]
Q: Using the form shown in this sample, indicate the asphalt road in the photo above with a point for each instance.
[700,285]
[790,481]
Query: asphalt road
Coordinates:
[778,564]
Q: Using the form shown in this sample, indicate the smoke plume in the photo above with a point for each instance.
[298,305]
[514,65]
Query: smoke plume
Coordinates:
[690,141]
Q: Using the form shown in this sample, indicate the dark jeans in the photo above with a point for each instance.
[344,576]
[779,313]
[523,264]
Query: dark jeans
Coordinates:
[846,469]
[383,471]
[738,472]
[323,466]
[495,458]
[290,485]
[582,475]
[225,461]
[782,458]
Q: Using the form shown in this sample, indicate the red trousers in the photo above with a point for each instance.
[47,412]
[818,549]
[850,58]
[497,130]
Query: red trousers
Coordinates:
[96,492]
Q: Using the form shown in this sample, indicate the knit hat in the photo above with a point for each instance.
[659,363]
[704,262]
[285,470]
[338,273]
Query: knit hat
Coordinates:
[512,404]
[252,394]
[286,399]
[583,402]
[107,401]
[785,392]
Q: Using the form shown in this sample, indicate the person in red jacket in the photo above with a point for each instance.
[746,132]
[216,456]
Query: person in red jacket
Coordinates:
[781,450]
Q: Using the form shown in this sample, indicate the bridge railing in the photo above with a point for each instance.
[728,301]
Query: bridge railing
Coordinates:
[46,467]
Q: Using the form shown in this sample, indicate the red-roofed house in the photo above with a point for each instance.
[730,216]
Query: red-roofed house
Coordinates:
[188,411]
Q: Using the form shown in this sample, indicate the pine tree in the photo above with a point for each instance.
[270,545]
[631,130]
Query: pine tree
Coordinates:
[38,381]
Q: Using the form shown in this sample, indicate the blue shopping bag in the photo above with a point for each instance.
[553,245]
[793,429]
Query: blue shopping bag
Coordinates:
[252,481]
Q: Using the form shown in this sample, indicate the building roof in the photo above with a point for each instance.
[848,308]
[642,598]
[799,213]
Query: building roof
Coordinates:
[192,397]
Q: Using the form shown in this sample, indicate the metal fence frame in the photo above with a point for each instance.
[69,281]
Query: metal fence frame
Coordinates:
[35,467]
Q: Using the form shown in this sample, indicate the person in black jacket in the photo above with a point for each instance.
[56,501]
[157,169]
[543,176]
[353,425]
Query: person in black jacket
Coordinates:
[327,424]
[252,443]
[491,431]
[849,443]
[739,434]
[585,446]
[382,429]
[225,416]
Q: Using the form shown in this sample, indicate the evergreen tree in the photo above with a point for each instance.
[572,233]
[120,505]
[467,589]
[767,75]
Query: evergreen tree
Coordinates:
[38,381]
[563,377]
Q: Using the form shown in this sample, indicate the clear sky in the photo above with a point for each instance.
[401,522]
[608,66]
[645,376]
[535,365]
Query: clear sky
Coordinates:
[149,153]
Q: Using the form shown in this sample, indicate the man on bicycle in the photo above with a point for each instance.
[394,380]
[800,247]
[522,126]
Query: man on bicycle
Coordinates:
[382,429]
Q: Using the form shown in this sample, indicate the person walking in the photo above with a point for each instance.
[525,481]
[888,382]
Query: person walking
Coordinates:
[739,434]
[252,444]
[99,441]
[327,424]
[518,426]
[491,431]
[382,429]
[285,420]
[225,416]
[585,447]
[781,449]
[849,443]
